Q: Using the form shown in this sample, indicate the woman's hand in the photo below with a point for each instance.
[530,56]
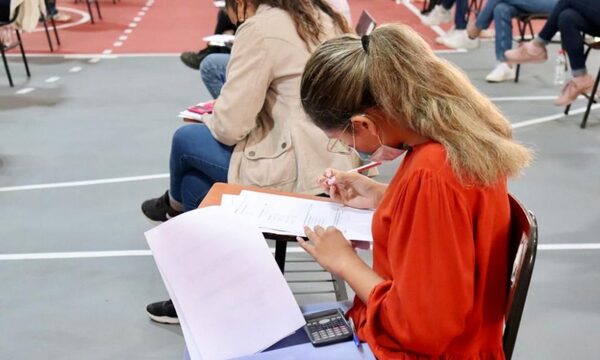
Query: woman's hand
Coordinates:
[352,189]
[330,248]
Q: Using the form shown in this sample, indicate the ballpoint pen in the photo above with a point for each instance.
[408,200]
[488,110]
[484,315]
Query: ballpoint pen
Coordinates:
[331,180]
[354,336]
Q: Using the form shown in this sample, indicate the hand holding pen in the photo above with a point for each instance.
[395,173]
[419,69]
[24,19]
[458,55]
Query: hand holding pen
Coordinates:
[351,188]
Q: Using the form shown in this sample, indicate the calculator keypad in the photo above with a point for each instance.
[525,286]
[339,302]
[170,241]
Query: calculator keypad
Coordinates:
[330,329]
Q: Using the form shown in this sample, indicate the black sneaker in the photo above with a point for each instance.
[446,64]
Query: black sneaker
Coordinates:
[159,209]
[162,312]
[191,59]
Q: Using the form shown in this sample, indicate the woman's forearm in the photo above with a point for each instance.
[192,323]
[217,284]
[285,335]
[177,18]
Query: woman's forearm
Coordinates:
[361,278]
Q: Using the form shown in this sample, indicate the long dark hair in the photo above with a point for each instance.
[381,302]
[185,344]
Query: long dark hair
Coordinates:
[305,16]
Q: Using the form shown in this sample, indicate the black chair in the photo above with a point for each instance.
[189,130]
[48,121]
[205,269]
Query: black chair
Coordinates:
[6,47]
[524,23]
[366,24]
[44,20]
[591,97]
[89,7]
[522,252]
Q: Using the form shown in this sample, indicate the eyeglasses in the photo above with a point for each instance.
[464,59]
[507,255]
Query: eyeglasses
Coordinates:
[338,146]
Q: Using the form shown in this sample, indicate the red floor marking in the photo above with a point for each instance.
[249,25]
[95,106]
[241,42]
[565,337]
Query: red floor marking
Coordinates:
[172,26]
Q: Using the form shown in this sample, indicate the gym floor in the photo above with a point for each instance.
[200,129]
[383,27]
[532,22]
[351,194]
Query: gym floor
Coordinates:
[86,139]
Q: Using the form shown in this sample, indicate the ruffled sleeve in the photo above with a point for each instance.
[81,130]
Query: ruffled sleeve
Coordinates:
[424,302]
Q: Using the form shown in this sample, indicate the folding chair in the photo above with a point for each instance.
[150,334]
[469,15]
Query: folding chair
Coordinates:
[339,287]
[366,24]
[44,20]
[5,47]
[89,7]
[592,96]
[522,252]
[524,23]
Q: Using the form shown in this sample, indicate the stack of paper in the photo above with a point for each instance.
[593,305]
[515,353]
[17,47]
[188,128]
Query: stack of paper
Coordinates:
[219,39]
[288,215]
[230,296]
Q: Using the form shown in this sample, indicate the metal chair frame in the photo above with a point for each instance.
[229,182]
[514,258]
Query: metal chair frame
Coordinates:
[591,96]
[5,48]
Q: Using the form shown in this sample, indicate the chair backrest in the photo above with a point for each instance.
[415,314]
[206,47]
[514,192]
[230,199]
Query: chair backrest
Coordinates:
[366,24]
[4,11]
[522,252]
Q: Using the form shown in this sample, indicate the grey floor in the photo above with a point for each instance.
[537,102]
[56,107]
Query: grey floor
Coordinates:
[115,118]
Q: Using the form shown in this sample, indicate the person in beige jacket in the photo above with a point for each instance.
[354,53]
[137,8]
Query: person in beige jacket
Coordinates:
[258,133]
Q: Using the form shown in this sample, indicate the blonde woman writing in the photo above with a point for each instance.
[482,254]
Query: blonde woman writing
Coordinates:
[437,288]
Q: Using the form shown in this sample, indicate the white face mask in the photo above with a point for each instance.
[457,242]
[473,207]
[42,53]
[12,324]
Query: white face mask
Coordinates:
[387,153]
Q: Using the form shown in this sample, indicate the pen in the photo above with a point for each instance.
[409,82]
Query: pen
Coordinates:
[354,336]
[331,180]
[365,167]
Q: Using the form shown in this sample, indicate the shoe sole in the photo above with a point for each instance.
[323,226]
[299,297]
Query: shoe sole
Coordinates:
[163,319]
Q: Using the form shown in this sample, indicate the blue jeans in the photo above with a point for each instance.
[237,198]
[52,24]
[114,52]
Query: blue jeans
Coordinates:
[51,8]
[460,13]
[502,12]
[197,161]
[212,70]
[572,17]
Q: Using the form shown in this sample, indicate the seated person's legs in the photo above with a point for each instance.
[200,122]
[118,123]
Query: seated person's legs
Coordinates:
[440,13]
[197,162]
[53,12]
[458,38]
[568,17]
[213,69]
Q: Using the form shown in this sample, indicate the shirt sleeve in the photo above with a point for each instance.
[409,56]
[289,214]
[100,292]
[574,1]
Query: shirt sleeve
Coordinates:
[249,75]
[431,256]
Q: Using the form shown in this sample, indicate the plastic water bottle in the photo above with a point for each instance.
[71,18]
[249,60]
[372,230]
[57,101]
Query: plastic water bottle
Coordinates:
[559,72]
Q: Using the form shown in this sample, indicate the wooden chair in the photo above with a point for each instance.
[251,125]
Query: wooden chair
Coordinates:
[6,47]
[522,252]
[591,45]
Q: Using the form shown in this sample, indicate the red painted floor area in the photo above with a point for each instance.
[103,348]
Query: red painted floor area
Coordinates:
[172,26]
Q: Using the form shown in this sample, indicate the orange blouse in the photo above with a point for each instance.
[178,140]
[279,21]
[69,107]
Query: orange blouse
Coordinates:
[442,250]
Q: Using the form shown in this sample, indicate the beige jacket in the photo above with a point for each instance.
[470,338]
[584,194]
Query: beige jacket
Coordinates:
[259,110]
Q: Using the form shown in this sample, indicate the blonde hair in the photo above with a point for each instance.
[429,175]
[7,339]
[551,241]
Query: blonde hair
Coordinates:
[395,70]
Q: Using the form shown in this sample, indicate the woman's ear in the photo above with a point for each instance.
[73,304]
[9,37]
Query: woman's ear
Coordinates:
[362,123]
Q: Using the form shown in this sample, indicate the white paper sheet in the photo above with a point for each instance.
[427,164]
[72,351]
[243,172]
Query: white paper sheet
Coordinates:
[289,215]
[229,294]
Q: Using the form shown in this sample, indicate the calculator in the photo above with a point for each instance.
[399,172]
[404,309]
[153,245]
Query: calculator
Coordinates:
[327,327]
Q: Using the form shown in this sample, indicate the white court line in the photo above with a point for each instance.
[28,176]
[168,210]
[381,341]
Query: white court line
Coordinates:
[94,60]
[122,37]
[53,79]
[438,30]
[107,52]
[75,69]
[132,253]
[132,25]
[137,19]
[85,17]
[128,31]
[551,117]
[83,183]
[523,98]
[24,91]
[118,43]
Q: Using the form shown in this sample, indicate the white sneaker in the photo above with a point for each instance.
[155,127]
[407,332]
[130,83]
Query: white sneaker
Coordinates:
[440,39]
[437,16]
[502,72]
[460,40]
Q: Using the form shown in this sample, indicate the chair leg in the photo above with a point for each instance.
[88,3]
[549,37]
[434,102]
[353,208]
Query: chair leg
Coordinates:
[23,53]
[567,109]
[339,287]
[10,81]
[590,101]
[522,26]
[89,6]
[98,9]
[55,30]
[45,22]
[280,251]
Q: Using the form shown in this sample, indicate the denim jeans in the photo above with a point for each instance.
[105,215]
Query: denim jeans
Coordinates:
[502,12]
[572,17]
[197,161]
[460,13]
[213,69]
[51,8]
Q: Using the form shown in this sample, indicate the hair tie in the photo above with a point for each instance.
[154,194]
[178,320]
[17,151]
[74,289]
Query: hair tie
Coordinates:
[365,42]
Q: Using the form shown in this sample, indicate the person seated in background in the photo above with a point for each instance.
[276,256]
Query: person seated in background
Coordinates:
[56,15]
[213,67]
[192,59]
[573,18]
[438,286]
[457,38]
[502,12]
[258,133]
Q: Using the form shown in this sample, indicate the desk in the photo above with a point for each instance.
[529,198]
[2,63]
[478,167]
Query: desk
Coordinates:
[217,191]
